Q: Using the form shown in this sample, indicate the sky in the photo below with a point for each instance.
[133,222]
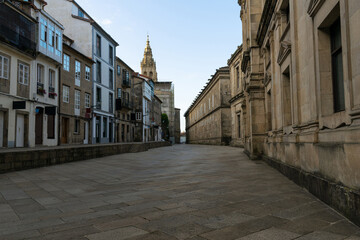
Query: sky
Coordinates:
[190,39]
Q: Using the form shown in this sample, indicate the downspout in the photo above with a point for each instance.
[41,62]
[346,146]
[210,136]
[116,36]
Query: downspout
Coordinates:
[58,108]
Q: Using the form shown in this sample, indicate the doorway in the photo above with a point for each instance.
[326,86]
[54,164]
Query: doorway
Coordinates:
[2,129]
[111,133]
[98,119]
[86,132]
[39,126]
[64,130]
[20,130]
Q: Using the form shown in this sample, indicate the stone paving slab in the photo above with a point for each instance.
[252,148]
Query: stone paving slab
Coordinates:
[187,192]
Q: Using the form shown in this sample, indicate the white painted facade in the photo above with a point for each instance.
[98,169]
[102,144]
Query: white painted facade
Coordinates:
[84,30]
[8,115]
[147,93]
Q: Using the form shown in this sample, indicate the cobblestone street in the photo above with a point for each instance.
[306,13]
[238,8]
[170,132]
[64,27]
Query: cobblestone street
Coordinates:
[179,192]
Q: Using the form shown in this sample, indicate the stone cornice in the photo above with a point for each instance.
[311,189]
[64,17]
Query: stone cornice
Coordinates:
[314,7]
[266,16]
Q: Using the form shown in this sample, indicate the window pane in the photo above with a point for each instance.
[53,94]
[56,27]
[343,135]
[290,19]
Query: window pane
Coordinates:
[1,66]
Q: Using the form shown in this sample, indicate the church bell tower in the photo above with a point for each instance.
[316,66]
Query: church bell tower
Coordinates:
[148,64]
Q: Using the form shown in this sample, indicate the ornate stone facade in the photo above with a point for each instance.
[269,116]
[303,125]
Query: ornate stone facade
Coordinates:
[208,118]
[300,104]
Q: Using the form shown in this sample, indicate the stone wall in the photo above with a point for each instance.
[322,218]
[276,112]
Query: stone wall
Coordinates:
[208,120]
[34,158]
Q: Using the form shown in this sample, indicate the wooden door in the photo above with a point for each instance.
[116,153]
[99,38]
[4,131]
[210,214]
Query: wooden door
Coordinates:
[39,128]
[64,130]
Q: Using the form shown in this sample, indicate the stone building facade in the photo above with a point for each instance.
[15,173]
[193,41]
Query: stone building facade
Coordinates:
[238,100]
[208,118]
[75,96]
[125,114]
[301,93]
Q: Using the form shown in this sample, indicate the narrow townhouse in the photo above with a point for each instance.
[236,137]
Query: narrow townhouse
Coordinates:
[156,119]
[94,42]
[46,72]
[75,96]
[143,95]
[17,52]
[125,114]
[31,82]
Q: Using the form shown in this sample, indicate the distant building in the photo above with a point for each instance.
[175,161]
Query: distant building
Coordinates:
[208,118]
[75,96]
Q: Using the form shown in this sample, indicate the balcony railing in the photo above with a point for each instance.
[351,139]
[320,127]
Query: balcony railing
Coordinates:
[52,93]
[40,89]
[126,83]
[16,30]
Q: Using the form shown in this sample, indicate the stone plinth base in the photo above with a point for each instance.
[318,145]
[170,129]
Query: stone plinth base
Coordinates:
[343,199]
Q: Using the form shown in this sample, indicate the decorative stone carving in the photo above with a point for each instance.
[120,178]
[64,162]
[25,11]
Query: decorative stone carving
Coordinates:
[285,50]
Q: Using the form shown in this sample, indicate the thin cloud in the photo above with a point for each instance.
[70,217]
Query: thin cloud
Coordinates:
[106,22]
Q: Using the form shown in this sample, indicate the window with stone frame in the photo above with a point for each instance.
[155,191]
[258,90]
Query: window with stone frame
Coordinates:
[77,73]
[87,73]
[87,100]
[286,97]
[23,74]
[77,99]
[111,55]
[98,45]
[43,32]
[66,94]
[329,47]
[337,66]
[4,67]
[66,62]
[40,73]
[51,83]
[98,71]
[111,79]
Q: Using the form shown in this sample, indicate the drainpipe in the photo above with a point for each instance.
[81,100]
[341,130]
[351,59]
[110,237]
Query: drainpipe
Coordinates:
[58,108]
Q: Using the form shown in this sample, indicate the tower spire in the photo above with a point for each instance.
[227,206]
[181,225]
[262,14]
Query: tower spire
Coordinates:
[148,64]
